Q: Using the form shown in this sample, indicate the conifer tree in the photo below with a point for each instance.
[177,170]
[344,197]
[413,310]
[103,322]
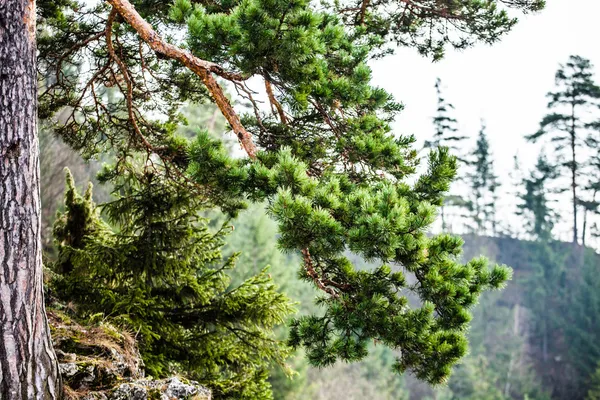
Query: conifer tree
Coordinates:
[432,25]
[28,365]
[445,125]
[576,92]
[335,176]
[581,322]
[591,202]
[483,184]
[594,391]
[535,205]
[446,135]
[159,272]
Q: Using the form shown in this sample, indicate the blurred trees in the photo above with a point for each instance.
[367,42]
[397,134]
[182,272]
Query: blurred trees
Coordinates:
[483,184]
[536,207]
[567,123]
[446,135]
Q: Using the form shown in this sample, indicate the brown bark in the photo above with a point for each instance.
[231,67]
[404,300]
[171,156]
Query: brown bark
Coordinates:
[275,103]
[363,11]
[204,69]
[28,365]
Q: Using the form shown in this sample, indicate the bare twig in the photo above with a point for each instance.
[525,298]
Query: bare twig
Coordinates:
[126,77]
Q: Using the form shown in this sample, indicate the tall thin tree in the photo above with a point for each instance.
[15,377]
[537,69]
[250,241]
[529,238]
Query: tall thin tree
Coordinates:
[590,201]
[483,183]
[446,126]
[535,204]
[28,365]
[575,93]
[446,135]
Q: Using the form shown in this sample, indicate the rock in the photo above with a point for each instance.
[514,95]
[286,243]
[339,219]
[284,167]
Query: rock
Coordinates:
[164,389]
[65,357]
[179,390]
[88,375]
[102,362]
[83,375]
[128,391]
[68,370]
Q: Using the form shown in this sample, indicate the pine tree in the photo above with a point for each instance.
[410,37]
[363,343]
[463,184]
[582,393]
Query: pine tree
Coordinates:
[324,158]
[535,205]
[576,92]
[445,125]
[159,271]
[483,184]
[445,135]
[28,366]
[591,187]
[432,25]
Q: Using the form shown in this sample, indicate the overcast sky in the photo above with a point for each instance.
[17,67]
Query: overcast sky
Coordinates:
[505,84]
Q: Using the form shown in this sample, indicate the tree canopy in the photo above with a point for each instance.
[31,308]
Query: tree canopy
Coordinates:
[576,93]
[322,154]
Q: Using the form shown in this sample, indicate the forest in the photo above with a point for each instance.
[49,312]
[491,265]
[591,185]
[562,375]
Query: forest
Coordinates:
[212,199]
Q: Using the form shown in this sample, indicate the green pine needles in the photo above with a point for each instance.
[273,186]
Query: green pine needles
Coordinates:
[382,220]
[321,153]
[160,273]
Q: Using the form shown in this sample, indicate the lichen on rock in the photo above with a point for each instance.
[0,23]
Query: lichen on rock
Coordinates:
[102,362]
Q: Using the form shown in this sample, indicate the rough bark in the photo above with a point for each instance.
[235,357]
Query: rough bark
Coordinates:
[28,366]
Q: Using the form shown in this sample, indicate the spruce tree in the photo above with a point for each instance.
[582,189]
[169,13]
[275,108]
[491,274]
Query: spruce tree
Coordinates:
[324,158]
[575,94]
[594,391]
[581,322]
[535,204]
[445,125]
[483,183]
[590,201]
[158,271]
[446,135]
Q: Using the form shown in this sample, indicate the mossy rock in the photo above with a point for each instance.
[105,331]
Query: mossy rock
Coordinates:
[99,361]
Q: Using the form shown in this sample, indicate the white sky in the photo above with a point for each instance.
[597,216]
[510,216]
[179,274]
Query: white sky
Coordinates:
[505,84]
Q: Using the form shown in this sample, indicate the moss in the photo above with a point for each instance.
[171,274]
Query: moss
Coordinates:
[154,394]
[112,332]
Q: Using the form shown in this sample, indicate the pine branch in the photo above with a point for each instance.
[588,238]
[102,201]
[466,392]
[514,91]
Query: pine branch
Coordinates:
[127,78]
[202,68]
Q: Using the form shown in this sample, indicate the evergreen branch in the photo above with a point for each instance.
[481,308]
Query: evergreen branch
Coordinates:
[201,68]
[322,283]
[363,10]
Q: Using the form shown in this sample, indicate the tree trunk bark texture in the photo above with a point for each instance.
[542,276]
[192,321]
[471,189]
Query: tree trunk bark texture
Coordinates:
[28,365]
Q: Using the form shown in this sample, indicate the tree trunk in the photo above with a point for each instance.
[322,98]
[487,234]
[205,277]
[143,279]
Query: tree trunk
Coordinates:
[584,228]
[585,214]
[443,217]
[574,173]
[28,365]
